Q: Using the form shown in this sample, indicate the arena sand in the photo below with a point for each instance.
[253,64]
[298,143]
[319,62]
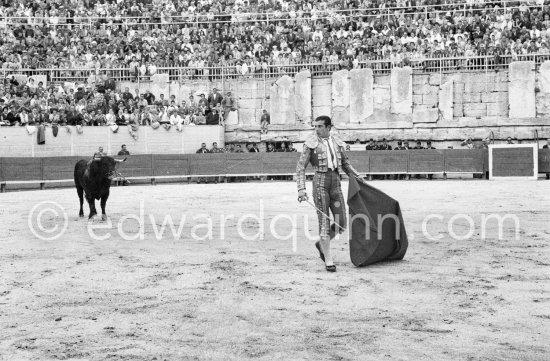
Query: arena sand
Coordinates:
[233,299]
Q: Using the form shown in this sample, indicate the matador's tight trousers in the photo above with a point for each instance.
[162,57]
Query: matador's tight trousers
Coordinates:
[327,195]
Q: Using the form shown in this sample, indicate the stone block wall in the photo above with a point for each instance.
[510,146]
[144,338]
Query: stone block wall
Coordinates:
[402,105]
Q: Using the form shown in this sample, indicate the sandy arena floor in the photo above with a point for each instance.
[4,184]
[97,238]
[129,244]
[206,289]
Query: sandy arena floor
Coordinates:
[166,297]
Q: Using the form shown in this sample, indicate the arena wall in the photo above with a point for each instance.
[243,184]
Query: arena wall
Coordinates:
[17,142]
[444,107]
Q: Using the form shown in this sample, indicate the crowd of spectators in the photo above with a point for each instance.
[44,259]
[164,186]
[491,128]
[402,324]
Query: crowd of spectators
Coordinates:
[287,147]
[34,104]
[251,36]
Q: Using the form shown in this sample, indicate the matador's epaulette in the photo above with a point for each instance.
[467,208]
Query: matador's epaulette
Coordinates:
[338,141]
[312,141]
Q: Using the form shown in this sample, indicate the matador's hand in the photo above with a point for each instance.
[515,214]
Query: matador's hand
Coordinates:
[302,196]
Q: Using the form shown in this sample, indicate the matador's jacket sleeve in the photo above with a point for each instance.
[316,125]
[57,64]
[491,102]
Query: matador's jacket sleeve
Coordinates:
[346,165]
[301,167]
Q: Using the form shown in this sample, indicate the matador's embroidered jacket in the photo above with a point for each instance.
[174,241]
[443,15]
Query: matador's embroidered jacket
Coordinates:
[316,153]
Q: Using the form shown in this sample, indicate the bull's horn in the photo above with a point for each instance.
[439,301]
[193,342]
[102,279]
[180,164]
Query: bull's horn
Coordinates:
[120,160]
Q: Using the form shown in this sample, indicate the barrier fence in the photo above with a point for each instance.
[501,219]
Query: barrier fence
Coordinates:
[378,66]
[154,20]
[164,166]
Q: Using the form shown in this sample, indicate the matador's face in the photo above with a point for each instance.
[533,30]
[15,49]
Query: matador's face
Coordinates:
[322,130]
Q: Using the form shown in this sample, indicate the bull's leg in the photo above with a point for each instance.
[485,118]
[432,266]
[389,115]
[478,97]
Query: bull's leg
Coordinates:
[103,204]
[91,203]
[80,192]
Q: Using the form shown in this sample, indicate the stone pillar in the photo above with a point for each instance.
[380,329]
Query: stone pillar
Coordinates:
[322,96]
[302,96]
[282,101]
[340,98]
[543,96]
[446,99]
[160,85]
[361,95]
[521,90]
[401,90]
[544,77]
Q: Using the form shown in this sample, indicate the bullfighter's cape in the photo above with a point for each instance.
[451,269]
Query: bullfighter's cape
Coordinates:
[366,244]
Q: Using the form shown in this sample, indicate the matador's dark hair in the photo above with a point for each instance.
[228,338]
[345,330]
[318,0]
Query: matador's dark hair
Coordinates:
[326,119]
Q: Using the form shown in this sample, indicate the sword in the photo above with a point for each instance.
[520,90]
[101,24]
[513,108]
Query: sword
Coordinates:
[300,199]
[323,213]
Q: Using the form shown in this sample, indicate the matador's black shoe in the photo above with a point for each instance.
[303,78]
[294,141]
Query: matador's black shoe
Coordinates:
[318,246]
[331,268]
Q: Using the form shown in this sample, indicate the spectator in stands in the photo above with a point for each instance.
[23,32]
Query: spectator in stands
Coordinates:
[229,105]
[468,143]
[371,145]
[5,117]
[215,148]
[547,146]
[429,146]
[213,118]
[254,148]
[264,121]
[215,99]
[399,146]
[384,145]
[291,148]
[283,148]
[23,116]
[203,149]
[123,150]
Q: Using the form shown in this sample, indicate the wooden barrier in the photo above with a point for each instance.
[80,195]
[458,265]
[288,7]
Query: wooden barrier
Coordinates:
[388,162]
[136,166]
[170,165]
[242,163]
[360,161]
[544,160]
[278,163]
[465,160]
[207,164]
[58,168]
[152,166]
[426,161]
[514,161]
[22,169]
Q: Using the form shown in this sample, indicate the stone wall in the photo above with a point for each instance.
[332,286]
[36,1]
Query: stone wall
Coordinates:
[17,142]
[446,107]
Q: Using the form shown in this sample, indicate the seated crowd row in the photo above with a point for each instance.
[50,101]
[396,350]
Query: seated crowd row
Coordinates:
[30,104]
[252,36]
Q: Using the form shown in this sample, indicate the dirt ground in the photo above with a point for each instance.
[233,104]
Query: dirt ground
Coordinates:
[231,297]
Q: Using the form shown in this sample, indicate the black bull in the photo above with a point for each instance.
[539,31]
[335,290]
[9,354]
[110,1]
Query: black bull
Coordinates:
[94,182]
